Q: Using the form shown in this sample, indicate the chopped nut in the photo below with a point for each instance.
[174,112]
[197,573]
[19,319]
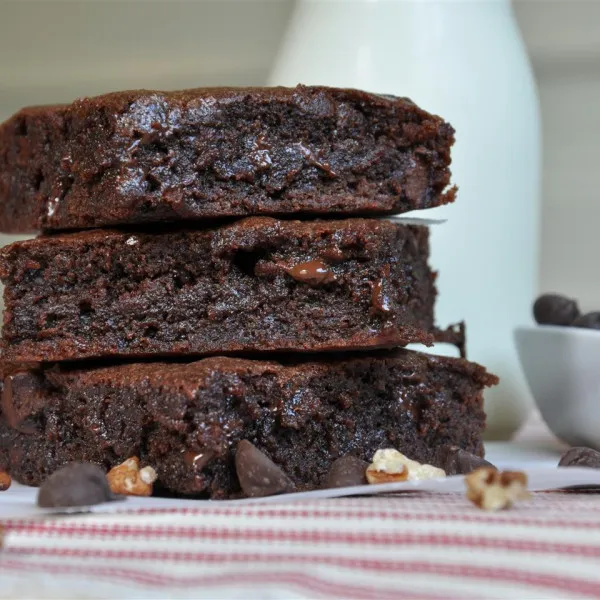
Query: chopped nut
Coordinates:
[5,481]
[148,475]
[389,465]
[376,476]
[490,489]
[128,479]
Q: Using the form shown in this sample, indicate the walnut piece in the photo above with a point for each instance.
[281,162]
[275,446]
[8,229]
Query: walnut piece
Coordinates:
[5,481]
[389,466]
[129,480]
[490,489]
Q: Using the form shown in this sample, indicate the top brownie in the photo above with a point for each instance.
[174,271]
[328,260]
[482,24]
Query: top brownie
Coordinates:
[146,156]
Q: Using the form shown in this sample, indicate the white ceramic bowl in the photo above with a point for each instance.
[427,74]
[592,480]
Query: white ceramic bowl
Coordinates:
[562,368]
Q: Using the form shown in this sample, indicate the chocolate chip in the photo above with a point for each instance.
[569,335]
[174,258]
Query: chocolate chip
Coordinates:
[456,461]
[346,472]
[312,158]
[22,401]
[197,460]
[314,272]
[580,456]
[76,484]
[380,301]
[258,474]
[588,321]
[553,309]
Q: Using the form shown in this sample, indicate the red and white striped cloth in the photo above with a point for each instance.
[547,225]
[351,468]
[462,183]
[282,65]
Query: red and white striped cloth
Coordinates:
[410,546]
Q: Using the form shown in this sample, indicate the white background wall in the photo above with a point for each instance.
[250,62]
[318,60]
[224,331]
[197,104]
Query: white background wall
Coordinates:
[563,38]
[54,51]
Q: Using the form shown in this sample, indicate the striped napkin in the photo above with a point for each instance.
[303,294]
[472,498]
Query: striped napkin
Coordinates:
[410,546]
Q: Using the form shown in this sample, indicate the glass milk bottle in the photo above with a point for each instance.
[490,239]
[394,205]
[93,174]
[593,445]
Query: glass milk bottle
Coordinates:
[465,61]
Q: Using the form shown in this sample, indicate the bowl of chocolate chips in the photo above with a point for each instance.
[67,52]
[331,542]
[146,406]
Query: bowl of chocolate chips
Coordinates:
[561,361]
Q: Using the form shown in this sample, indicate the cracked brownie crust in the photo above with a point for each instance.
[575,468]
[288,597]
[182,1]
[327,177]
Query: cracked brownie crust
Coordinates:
[256,285]
[147,156]
[185,420]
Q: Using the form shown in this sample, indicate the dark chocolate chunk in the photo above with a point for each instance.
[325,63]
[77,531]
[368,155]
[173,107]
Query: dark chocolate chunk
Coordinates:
[76,484]
[456,461]
[554,309]
[588,321]
[346,472]
[580,456]
[258,474]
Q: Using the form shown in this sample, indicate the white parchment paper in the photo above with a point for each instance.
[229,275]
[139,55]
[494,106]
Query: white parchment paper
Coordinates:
[20,501]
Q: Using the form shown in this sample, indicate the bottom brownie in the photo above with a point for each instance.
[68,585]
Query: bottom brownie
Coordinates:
[185,420]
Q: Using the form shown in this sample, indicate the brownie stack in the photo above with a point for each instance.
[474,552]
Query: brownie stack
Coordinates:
[213,268]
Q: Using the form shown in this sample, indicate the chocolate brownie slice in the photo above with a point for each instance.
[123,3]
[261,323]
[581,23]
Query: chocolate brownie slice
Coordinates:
[147,156]
[185,420]
[255,285]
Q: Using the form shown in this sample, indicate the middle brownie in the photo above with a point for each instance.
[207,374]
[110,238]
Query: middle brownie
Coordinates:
[259,284]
